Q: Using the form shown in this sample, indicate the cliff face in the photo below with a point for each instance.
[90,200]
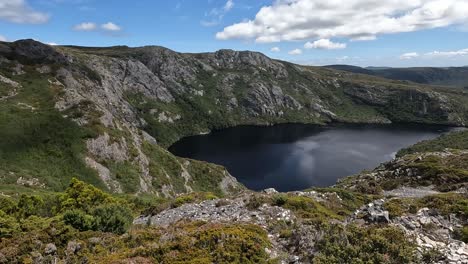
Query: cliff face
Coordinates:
[123,105]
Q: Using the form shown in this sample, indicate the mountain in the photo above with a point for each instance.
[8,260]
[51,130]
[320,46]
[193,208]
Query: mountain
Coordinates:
[106,115]
[451,76]
[85,176]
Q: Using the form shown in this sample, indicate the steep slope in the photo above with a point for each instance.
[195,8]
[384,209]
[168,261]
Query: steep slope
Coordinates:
[104,115]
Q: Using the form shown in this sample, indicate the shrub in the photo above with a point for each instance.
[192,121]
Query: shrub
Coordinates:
[83,196]
[79,220]
[29,205]
[354,244]
[7,205]
[279,200]
[112,218]
[256,201]
[8,225]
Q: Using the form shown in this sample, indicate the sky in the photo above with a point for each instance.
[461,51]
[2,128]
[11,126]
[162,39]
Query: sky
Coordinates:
[395,33]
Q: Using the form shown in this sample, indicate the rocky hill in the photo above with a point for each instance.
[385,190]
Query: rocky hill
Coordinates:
[85,176]
[105,115]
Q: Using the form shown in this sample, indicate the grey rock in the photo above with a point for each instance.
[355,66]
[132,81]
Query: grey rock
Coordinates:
[73,247]
[50,249]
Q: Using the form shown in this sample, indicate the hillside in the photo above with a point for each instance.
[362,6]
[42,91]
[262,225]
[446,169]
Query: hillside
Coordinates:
[105,115]
[85,176]
[451,76]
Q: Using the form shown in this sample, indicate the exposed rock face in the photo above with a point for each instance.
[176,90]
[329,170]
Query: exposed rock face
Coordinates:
[434,232]
[374,212]
[215,211]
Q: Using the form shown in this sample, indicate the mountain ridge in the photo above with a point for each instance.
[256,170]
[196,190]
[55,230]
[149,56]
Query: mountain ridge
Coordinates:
[131,103]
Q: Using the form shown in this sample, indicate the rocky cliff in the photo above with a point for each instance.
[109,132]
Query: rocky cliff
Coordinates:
[105,115]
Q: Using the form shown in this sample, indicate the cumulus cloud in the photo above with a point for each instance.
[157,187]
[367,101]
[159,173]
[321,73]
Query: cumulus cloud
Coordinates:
[2,38]
[91,26]
[324,44]
[409,55]
[289,20]
[18,11]
[85,26]
[295,52]
[52,44]
[109,26]
[275,49]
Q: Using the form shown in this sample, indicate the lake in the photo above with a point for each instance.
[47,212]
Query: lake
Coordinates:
[295,157]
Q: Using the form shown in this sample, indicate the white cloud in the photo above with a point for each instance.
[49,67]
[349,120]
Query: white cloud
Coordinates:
[462,52]
[295,52]
[409,56]
[109,26]
[324,44]
[2,38]
[275,49]
[85,26]
[216,15]
[18,11]
[229,5]
[289,20]
[435,55]
[52,44]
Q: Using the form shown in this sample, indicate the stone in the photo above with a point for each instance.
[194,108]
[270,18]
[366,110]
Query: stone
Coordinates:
[270,191]
[50,249]
[73,247]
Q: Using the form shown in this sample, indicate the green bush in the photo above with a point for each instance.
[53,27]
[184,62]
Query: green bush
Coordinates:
[79,220]
[30,205]
[83,196]
[8,225]
[112,218]
[354,244]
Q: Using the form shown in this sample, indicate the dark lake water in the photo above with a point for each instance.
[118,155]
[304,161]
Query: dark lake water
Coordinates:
[295,157]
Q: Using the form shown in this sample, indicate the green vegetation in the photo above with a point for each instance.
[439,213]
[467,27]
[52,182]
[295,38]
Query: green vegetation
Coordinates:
[193,198]
[334,206]
[445,204]
[354,244]
[199,242]
[94,220]
[454,140]
[127,174]
[37,141]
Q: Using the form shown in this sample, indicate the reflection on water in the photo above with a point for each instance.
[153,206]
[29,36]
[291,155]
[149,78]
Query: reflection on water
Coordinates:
[294,157]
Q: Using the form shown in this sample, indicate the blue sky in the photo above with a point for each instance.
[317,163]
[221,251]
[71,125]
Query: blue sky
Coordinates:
[359,32]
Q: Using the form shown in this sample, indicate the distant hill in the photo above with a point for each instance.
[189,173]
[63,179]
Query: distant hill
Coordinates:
[451,76]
